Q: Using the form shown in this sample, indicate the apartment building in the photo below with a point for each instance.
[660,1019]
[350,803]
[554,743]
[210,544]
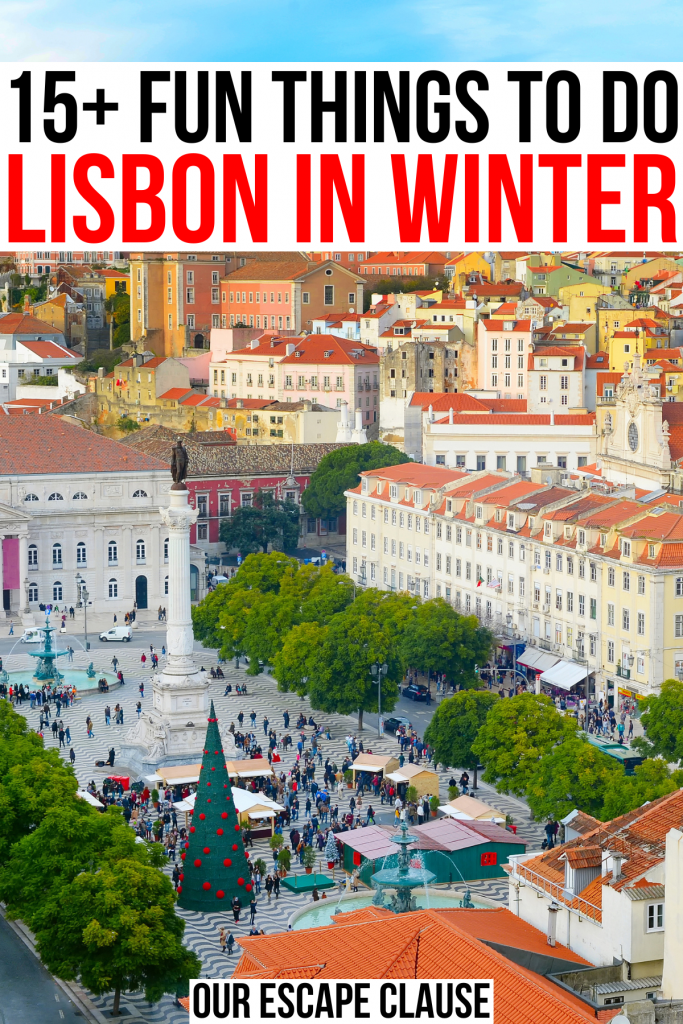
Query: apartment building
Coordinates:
[502,350]
[405,264]
[591,582]
[175,300]
[315,367]
[39,264]
[288,295]
[556,380]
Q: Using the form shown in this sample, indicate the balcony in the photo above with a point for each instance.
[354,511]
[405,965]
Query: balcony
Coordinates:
[624,673]
[606,400]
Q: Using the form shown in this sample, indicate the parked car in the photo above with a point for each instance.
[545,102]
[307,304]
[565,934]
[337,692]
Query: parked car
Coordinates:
[415,692]
[393,724]
[31,636]
[123,633]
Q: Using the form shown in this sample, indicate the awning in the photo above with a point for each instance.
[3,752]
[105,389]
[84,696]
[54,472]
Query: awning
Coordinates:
[539,661]
[261,814]
[90,799]
[565,674]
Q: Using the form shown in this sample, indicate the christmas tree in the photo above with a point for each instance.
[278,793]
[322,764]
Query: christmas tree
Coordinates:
[331,849]
[215,864]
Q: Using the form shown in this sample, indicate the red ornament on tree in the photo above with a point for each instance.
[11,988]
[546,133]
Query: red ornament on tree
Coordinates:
[179,889]
[206,885]
[234,846]
[240,881]
[220,894]
[207,849]
[219,831]
[227,862]
[202,817]
[248,887]
[182,876]
[224,814]
[237,827]
[197,863]
[191,828]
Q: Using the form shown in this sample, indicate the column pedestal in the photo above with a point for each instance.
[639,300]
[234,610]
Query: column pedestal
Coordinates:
[173,731]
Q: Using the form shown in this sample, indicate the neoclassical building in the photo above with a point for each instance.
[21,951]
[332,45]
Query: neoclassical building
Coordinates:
[72,504]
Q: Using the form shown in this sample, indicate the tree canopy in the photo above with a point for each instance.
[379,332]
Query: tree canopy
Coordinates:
[455,725]
[662,719]
[572,774]
[119,305]
[268,522]
[517,732]
[339,470]
[439,639]
[115,928]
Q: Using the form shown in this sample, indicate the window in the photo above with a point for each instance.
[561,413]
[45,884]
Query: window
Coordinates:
[57,591]
[641,584]
[610,651]
[625,619]
[113,553]
[56,554]
[81,557]
[655,917]
[114,588]
[55,496]
[33,556]
[80,496]
[582,604]
[329,294]
[610,577]
[610,614]
[641,623]
[678,626]
[31,497]
[594,609]
[139,493]
[33,593]
[626,580]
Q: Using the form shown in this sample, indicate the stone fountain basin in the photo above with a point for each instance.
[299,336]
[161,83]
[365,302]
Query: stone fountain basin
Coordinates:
[72,677]
[393,878]
[317,915]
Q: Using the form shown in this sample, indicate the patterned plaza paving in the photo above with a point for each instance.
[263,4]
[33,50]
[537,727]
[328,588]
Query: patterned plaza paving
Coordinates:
[201,932]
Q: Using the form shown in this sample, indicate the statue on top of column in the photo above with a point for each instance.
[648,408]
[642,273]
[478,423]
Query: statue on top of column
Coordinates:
[179,465]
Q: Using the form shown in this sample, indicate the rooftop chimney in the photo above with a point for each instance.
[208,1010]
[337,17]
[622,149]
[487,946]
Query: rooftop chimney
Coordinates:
[240,404]
[254,343]
[552,923]
[100,371]
[290,348]
[617,858]
[450,415]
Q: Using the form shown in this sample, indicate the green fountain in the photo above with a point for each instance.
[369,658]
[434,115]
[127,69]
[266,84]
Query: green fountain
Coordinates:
[403,879]
[46,670]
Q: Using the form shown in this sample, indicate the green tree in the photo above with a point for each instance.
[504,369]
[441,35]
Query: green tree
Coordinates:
[126,424]
[119,306]
[72,837]
[517,732]
[338,471]
[115,928]
[573,774]
[332,664]
[268,522]
[662,718]
[650,780]
[439,639]
[455,725]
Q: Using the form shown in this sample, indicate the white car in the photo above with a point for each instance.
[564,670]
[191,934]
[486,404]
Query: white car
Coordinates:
[123,633]
[31,636]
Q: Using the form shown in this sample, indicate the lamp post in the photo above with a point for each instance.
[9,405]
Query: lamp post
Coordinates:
[378,671]
[83,596]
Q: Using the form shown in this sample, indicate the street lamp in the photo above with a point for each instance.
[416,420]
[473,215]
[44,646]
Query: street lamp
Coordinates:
[378,671]
[83,596]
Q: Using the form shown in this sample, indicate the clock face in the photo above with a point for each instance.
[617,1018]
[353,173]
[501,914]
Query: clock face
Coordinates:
[633,437]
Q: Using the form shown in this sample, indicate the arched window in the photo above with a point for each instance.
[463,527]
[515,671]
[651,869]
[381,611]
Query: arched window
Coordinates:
[56,554]
[113,588]
[57,591]
[55,496]
[113,553]
[81,558]
[80,496]
[31,497]
[140,552]
[166,550]
[33,593]
[140,494]
[166,585]
[33,556]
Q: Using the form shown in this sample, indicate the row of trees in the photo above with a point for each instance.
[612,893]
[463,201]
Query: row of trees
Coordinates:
[321,639]
[527,748]
[100,907]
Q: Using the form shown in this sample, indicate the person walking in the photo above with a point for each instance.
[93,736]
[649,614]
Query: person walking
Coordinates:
[67,735]
[115,663]
[236,905]
[72,756]
[222,937]
[11,629]
[252,910]
[88,725]
[107,715]
[141,688]
[138,708]
[231,943]
[61,736]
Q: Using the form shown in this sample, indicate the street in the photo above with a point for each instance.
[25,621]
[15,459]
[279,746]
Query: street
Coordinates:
[29,992]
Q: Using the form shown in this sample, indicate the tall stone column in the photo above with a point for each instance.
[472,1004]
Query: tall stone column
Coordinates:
[2,579]
[25,608]
[173,731]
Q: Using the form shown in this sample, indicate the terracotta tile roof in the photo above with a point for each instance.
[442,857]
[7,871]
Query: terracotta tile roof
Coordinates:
[416,475]
[577,328]
[559,350]
[149,364]
[668,526]
[598,361]
[469,487]
[605,377]
[584,857]
[313,347]
[269,270]
[507,308]
[422,944]
[506,404]
[50,350]
[544,268]
[523,419]
[523,326]
[664,353]
[606,517]
[174,393]
[494,290]
[22,323]
[506,495]
[439,401]
[248,403]
[45,445]
[405,257]
[581,822]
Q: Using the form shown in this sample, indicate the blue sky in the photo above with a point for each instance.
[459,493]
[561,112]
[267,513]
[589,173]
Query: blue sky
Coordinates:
[306,30]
